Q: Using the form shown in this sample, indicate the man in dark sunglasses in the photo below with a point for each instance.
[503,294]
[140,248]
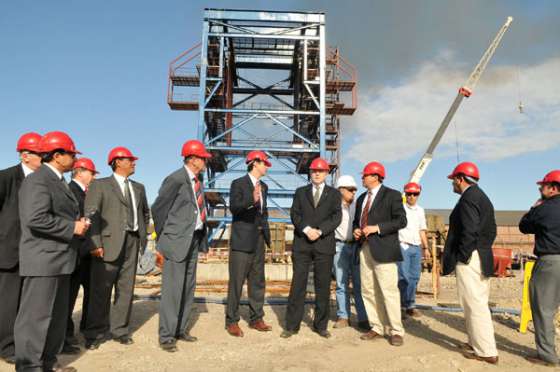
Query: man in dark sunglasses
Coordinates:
[413,241]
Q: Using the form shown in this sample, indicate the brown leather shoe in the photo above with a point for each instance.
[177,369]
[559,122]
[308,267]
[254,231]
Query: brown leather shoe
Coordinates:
[234,330]
[536,360]
[341,323]
[260,326]
[465,346]
[369,335]
[491,360]
[413,313]
[396,340]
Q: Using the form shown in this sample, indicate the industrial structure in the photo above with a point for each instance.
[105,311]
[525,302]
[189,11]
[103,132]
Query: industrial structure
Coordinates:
[263,80]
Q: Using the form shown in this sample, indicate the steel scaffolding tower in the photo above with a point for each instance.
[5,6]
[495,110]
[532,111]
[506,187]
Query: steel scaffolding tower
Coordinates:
[264,80]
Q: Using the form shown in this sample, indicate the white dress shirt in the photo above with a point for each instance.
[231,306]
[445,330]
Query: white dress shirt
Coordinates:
[314,188]
[416,218]
[26,170]
[120,180]
[373,192]
[254,181]
[199,224]
[344,230]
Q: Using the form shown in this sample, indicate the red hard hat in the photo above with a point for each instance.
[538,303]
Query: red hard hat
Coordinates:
[319,164]
[374,168]
[552,176]
[57,141]
[257,155]
[196,148]
[86,164]
[412,187]
[120,152]
[465,168]
[29,142]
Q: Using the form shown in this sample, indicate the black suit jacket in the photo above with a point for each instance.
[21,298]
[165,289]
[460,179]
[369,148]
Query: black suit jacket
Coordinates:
[386,211]
[82,243]
[10,230]
[326,217]
[472,226]
[247,219]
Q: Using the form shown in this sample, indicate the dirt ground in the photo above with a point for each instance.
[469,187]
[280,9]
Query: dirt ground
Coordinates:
[429,343]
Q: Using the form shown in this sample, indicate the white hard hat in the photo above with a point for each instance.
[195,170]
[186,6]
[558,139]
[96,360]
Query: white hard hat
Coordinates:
[346,181]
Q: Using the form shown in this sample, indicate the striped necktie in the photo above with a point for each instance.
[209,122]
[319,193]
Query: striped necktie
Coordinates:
[200,199]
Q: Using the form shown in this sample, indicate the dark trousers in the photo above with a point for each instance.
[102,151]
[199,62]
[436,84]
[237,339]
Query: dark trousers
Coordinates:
[80,277]
[120,274]
[41,322]
[10,292]
[544,292]
[178,284]
[322,269]
[246,266]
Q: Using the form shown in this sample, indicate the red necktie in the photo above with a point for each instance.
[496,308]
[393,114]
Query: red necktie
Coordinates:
[200,199]
[365,212]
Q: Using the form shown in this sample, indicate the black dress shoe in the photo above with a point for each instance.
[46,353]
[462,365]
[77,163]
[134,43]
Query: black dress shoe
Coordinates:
[187,338]
[10,359]
[70,349]
[287,334]
[169,346]
[124,340]
[72,340]
[323,333]
[93,344]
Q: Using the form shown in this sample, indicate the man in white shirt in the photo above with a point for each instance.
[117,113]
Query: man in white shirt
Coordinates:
[413,241]
[345,263]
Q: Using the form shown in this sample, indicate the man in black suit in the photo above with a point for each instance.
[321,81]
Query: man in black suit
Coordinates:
[10,232]
[119,214]
[249,232]
[468,252]
[315,213]
[50,220]
[83,174]
[379,216]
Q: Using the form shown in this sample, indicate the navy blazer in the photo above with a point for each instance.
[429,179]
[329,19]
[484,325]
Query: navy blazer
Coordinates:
[386,211]
[247,220]
[10,230]
[472,226]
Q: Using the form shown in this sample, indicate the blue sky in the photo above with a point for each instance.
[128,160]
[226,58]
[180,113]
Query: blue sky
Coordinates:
[98,70]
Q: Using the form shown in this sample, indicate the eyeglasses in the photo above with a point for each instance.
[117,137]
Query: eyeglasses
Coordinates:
[351,189]
[415,194]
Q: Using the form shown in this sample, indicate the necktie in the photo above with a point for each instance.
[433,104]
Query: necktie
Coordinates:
[199,199]
[316,196]
[365,212]
[258,189]
[65,183]
[130,210]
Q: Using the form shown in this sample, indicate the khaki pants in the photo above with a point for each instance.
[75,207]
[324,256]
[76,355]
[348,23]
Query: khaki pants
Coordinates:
[473,289]
[381,295]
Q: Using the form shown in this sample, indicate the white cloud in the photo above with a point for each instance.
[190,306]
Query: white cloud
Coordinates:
[397,121]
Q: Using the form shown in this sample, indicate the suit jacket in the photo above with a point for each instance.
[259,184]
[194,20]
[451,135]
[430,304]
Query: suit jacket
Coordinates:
[472,226]
[247,220]
[106,206]
[326,217]
[10,230]
[48,211]
[82,243]
[544,221]
[174,212]
[386,211]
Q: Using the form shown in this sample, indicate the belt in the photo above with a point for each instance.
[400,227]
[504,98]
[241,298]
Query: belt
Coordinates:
[133,232]
[345,241]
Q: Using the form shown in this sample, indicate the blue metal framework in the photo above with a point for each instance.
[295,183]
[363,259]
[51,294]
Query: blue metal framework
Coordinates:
[266,80]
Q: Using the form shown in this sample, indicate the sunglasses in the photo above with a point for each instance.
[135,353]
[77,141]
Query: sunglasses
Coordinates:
[415,194]
[350,189]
